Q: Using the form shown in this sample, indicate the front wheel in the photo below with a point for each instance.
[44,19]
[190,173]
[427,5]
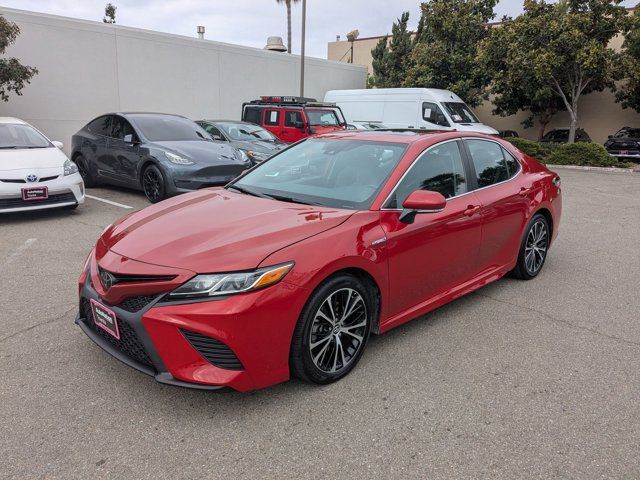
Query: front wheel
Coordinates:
[85,171]
[332,330]
[153,184]
[533,249]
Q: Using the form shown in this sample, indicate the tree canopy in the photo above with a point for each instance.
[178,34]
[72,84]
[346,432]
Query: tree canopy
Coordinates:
[629,93]
[390,58]
[13,75]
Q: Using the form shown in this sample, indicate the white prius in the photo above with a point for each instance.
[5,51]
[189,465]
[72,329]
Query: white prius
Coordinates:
[34,172]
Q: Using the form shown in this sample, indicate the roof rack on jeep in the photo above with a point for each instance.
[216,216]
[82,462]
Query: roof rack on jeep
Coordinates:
[290,100]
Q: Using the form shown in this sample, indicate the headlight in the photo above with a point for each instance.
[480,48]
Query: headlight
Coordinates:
[177,159]
[219,284]
[70,168]
[258,156]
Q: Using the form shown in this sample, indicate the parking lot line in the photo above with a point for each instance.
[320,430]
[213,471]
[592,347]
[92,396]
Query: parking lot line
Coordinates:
[20,250]
[108,201]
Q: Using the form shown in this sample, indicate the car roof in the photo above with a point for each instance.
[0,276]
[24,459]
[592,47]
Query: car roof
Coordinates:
[407,136]
[12,120]
[159,114]
[229,121]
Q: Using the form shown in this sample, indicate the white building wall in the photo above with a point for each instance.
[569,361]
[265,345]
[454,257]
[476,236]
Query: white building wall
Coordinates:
[89,68]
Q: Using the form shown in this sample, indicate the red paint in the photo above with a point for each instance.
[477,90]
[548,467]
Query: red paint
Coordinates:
[441,256]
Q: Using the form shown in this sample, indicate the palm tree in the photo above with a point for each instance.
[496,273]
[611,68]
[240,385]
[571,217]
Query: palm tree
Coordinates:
[288,3]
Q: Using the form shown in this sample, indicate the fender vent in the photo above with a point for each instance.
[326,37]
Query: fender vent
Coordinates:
[213,351]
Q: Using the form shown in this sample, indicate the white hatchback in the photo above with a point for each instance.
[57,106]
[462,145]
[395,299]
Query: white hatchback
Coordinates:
[34,172]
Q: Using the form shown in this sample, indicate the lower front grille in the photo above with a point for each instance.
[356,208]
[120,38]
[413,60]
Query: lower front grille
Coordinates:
[129,343]
[52,200]
[135,304]
[213,351]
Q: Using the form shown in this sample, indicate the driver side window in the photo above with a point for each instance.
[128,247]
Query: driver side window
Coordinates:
[433,114]
[439,169]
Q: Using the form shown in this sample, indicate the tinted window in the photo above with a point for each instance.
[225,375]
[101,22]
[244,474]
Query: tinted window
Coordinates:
[21,136]
[292,117]
[245,132]
[433,114]
[158,128]
[100,126]
[272,117]
[491,162]
[439,169]
[628,132]
[213,131]
[121,128]
[253,115]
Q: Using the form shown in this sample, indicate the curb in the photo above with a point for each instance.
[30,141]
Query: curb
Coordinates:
[597,169]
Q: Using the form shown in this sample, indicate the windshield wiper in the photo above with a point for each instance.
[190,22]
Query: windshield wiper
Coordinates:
[248,192]
[283,198]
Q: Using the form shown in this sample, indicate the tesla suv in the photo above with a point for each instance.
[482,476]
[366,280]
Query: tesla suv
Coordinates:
[160,154]
[34,172]
[290,268]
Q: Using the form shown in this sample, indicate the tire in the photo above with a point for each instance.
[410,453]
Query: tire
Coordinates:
[153,184]
[533,248]
[85,171]
[329,360]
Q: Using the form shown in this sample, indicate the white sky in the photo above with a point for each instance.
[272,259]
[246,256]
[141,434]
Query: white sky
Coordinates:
[250,22]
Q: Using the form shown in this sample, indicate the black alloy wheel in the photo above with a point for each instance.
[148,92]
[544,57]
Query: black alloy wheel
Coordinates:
[153,184]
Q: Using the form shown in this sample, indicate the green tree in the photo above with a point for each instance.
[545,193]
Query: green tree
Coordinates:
[514,86]
[109,13]
[288,4]
[570,52]
[390,57]
[446,47]
[629,93]
[13,75]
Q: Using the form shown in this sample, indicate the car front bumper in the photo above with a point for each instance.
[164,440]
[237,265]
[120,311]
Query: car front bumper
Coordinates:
[63,191]
[631,154]
[256,328]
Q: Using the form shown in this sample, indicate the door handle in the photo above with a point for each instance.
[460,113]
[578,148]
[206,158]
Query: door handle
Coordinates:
[471,210]
[525,191]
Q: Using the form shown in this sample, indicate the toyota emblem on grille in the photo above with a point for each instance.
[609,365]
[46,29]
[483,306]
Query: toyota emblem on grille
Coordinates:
[107,279]
[32,178]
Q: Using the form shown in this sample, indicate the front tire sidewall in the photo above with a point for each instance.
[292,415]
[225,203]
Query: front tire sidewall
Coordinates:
[302,364]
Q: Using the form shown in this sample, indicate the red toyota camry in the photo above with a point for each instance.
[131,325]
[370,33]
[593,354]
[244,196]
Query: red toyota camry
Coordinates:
[289,269]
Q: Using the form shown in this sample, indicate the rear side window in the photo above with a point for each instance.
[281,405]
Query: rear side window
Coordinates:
[100,126]
[433,114]
[253,115]
[272,117]
[438,169]
[492,163]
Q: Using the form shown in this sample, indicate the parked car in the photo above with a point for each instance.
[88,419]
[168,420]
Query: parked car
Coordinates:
[160,154]
[366,126]
[508,134]
[259,144]
[624,144]
[421,108]
[289,268]
[35,174]
[561,135]
[293,118]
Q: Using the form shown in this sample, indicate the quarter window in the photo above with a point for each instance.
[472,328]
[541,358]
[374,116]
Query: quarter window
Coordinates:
[492,163]
[433,114]
[438,169]
[252,115]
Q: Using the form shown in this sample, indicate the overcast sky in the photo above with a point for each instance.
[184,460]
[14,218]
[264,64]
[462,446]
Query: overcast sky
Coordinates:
[250,22]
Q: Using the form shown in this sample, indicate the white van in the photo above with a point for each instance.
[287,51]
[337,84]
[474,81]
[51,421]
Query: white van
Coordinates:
[429,108]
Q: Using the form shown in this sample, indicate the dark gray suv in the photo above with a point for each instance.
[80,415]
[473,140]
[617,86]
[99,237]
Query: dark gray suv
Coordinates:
[157,153]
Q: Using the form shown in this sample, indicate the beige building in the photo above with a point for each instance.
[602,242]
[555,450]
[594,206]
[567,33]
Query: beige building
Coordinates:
[599,114]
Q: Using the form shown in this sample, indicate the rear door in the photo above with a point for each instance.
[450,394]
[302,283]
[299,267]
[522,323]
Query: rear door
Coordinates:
[505,197]
[96,150]
[124,151]
[272,121]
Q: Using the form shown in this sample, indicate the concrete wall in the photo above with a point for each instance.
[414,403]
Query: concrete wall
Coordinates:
[598,113]
[89,68]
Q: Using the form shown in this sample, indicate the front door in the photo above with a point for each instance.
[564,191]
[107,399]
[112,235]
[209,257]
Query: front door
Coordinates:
[438,251]
[293,128]
[124,155]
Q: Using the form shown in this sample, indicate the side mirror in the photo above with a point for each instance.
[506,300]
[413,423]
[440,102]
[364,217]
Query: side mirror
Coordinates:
[300,125]
[57,144]
[421,201]
[129,139]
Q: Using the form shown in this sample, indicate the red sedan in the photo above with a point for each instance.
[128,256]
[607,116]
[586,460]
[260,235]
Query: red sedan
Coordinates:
[290,268]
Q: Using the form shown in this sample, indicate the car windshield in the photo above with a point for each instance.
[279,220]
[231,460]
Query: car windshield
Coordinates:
[460,113]
[628,133]
[16,135]
[167,128]
[323,118]
[338,173]
[244,132]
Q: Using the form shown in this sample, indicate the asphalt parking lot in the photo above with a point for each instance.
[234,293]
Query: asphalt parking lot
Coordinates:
[532,379]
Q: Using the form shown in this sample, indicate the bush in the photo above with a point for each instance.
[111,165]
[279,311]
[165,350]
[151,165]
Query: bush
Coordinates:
[583,153]
[531,148]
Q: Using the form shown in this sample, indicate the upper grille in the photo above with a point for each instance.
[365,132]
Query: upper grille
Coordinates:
[129,343]
[213,351]
[52,200]
[135,304]
[115,278]
[22,180]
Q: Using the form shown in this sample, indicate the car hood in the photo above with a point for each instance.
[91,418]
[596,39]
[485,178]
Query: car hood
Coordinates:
[202,151]
[33,160]
[215,230]
[259,145]
[475,127]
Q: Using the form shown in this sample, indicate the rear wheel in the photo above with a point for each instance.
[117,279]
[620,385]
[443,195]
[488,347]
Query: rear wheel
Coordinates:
[533,249]
[332,330]
[85,171]
[153,184]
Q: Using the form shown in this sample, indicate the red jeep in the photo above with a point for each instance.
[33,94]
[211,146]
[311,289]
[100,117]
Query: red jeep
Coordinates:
[293,118]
